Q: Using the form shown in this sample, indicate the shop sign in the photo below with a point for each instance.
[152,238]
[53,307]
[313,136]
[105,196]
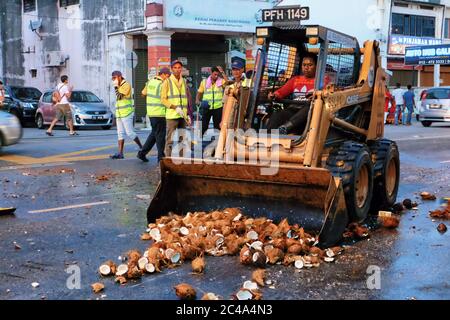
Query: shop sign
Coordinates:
[223,16]
[399,43]
[428,55]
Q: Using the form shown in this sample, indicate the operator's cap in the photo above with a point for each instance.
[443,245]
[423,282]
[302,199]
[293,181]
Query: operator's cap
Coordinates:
[177,62]
[165,71]
[238,64]
[117,74]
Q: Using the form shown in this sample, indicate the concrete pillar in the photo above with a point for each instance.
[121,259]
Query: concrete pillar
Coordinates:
[159,50]
[437,75]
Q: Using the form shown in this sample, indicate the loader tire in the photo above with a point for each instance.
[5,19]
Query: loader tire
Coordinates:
[352,162]
[386,159]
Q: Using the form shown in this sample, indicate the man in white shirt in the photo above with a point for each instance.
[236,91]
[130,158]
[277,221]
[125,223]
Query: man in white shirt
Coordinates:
[62,106]
[397,93]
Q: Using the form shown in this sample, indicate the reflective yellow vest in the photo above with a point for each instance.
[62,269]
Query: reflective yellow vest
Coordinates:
[155,109]
[213,95]
[124,107]
[177,97]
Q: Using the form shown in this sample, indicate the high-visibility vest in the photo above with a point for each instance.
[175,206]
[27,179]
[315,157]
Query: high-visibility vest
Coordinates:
[154,106]
[124,107]
[177,97]
[214,96]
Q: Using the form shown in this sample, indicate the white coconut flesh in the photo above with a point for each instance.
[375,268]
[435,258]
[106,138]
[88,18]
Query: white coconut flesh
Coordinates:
[122,270]
[105,270]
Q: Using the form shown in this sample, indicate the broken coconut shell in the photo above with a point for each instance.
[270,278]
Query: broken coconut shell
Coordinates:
[246,256]
[210,297]
[97,287]
[122,270]
[259,276]
[108,268]
[198,265]
[185,292]
[134,256]
[121,280]
[275,255]
[259,259]
[428,196]
[391,222]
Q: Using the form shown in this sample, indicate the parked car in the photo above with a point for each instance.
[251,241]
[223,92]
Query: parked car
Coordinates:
[435,106]
[10,129]
[88,110]
[12,107]
[27,99]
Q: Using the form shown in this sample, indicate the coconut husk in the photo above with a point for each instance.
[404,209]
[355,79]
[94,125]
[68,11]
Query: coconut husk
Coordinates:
[233,246]
[97,287]
[295,249]
[442,228]
[146,237]
[280,243]
[210,297]
[239,227]
[185,292]
[259,276]
[189,252]
[121,280]
[259,259]
[198,265]
[391,222]
[315,251]
[134,272]
[134,256]
[275,255]
[246,256]
[288,260]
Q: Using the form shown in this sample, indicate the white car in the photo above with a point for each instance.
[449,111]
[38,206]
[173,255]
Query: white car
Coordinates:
[10,129]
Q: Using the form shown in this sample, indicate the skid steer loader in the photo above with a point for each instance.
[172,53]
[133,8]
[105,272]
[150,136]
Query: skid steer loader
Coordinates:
[336,171]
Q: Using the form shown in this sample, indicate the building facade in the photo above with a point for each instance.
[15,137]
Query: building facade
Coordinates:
[40,40]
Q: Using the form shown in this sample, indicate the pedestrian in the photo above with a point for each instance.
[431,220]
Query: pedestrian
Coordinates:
[210,97]
[124,113]
[399,102]
[388,105]
[156,111]
[60,99]
[410,103]
[174,96]
[2,94]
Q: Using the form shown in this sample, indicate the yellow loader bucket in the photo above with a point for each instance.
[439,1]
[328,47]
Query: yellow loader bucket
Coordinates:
[312,198]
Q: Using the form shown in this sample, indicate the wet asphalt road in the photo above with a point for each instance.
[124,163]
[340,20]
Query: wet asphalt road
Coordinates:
[60,172]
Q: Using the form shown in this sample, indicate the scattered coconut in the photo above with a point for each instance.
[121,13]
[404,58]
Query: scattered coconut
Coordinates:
[246,256]
[97,287]
[146,237]
[210,297]
[275,255]
[252,235]
[150,268]
[184,231]
[122,270]
[299,264]
[244,295]
[259,277]
[250,285]
[428,196]
[142,263]
[442,228]
[121,280]
[185,292]
[155,234]
[329,259]
[35,284]
[198,265]
[389,222]
[259,259]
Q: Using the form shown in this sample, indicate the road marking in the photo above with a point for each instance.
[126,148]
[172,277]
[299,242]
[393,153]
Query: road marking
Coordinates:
[35,166]
[71,207]
[422,138]
[445,162]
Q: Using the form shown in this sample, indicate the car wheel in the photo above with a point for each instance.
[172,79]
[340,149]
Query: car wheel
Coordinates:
[40,122]
[427,124]
[106,127]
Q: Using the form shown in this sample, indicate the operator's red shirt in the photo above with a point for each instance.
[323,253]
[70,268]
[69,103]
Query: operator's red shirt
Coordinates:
[299,86]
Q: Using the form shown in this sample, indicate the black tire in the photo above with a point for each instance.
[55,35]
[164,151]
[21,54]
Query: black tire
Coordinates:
[352,163]
[427,124]
[106,127]
[40,122]
[386,158]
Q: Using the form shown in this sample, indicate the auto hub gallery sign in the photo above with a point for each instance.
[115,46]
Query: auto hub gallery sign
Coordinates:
[236,16]
[428,55]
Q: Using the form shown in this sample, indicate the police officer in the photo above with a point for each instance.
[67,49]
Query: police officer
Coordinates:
[156,111]
[124,113]
[211,95]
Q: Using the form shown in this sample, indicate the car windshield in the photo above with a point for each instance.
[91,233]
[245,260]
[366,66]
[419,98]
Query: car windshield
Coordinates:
[438,94]
[84,97]
[26,93]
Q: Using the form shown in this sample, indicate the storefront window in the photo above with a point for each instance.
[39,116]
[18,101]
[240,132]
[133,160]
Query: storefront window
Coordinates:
[447,29]
[416,26]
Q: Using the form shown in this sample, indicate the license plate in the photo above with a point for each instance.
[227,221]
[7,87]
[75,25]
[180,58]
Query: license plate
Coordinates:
[97,118]
[286,14]
[435,106]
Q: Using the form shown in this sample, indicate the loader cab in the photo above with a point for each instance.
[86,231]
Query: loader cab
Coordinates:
[280,60]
